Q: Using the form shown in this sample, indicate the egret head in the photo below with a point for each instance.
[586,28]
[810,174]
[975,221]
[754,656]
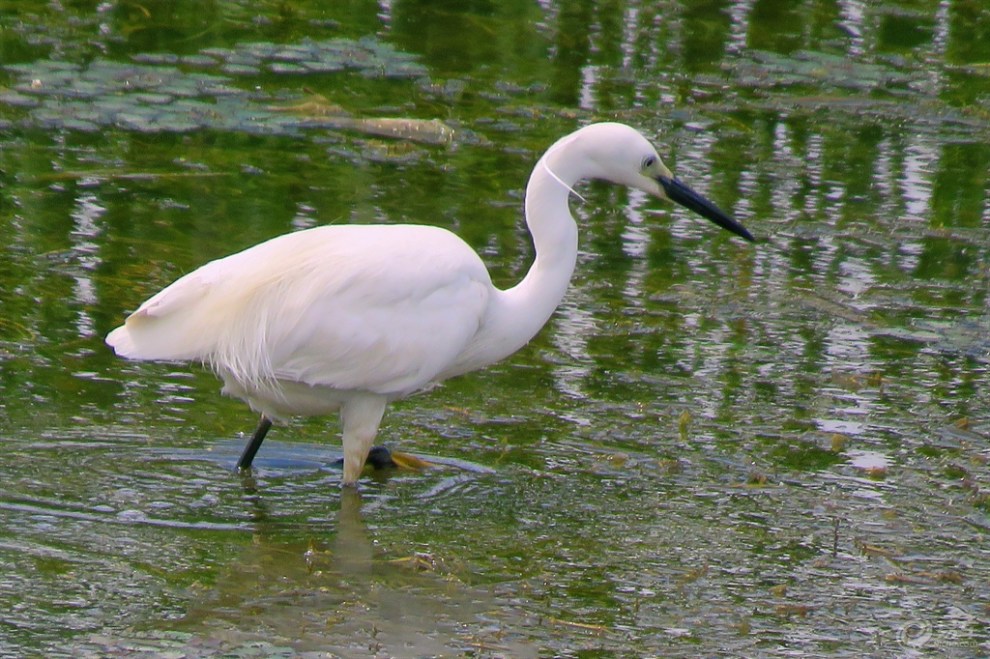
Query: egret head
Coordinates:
[620,154]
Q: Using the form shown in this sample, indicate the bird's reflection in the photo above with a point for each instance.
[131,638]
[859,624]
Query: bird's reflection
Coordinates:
[326,586]
[351,546]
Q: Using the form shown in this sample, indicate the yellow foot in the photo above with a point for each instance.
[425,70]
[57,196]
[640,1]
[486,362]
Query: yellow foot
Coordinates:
[410,462]
[381,458]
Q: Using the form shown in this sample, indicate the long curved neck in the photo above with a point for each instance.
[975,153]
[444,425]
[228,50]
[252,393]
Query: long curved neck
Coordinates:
[555,239]
[516,314]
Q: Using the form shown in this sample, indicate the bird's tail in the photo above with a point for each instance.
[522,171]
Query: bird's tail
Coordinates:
[122,343]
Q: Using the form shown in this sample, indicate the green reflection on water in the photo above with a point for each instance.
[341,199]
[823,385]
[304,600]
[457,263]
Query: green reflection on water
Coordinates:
[712,448]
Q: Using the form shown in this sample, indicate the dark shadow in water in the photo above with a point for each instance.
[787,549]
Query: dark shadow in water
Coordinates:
[287,458]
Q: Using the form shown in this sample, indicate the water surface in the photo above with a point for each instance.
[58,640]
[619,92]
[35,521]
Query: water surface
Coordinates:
[713,448]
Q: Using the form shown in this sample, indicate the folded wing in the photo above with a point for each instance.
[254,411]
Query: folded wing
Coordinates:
[375,308]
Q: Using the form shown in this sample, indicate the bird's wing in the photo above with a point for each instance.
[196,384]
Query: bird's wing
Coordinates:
[378,308]
[174,324]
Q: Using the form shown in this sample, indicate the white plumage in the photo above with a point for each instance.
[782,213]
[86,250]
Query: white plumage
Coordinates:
[351,317]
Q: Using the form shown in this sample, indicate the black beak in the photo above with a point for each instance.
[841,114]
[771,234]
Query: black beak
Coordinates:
[688,198]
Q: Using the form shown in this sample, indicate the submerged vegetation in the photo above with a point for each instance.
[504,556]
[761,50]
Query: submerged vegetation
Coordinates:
[166,93]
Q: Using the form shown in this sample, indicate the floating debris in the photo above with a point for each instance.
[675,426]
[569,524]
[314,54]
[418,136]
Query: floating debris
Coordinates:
[319,112]
[314,105]
[766,70]
[838,442]
[432,131]
[368,56]
[16,99]
[157,93]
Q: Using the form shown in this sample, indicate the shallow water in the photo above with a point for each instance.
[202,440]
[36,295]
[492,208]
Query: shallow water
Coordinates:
[713,448]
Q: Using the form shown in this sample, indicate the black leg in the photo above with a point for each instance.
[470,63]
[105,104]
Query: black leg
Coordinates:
[247,457]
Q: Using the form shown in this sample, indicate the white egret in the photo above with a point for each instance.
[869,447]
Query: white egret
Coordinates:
[351,317]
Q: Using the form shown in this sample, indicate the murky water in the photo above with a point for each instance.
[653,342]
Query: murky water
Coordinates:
[713,449]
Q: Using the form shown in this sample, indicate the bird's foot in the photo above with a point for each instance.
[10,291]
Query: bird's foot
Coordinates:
[380,458]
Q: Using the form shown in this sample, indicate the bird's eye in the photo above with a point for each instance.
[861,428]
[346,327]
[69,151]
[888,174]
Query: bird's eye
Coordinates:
[648,162]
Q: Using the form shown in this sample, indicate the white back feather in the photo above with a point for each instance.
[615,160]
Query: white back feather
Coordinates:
[349,307]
